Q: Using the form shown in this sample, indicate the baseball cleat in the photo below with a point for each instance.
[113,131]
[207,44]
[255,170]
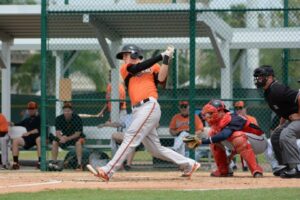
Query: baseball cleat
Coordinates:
[279,169]
[258,175]
[194,168]
[98,173]
[217,173]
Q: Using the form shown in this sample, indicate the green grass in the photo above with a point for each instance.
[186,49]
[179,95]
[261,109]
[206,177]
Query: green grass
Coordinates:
[249,194]
[32,155]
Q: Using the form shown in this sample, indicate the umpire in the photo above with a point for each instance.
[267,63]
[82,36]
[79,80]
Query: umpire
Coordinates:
[285,102]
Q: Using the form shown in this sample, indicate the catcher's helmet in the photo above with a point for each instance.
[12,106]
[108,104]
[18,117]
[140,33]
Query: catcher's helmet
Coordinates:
[218,104]
[135,52]
[210,111]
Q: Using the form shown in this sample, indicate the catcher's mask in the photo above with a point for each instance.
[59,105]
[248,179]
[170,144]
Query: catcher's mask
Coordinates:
[261,75]
[210,111]
[135,52]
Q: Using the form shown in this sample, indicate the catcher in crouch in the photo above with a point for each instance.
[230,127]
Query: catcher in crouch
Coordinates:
[233,131]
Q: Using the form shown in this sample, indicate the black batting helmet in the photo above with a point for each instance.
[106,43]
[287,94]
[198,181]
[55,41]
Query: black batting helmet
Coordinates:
[135,52]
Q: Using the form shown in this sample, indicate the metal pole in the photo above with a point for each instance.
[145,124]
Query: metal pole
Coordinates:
[286,52]
[43,82]
[192,68]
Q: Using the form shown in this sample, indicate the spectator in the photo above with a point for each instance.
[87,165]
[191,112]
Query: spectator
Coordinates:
[179,127]
[30,138]
[240,109]
[285,102]
[4,142]
[68,132]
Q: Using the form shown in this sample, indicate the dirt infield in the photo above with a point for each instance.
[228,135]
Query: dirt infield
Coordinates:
[37,181]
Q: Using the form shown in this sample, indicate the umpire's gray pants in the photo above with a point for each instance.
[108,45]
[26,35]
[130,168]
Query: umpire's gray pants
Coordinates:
[284,143]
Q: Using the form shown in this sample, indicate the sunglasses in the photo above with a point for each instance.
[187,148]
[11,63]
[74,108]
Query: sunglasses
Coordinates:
[238,108]
[183,106]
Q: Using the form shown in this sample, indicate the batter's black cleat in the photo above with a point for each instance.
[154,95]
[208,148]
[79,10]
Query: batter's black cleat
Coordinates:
[279,170]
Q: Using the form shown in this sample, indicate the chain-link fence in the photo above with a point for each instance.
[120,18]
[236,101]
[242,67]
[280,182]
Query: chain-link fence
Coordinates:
[218,45]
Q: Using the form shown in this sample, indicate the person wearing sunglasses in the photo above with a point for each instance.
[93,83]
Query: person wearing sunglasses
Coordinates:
[179,127]
[240,109]
[30,138]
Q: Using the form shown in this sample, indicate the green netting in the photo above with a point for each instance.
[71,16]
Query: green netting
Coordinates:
[218,51]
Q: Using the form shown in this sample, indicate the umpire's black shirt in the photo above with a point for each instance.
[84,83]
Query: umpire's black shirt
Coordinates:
[281,99]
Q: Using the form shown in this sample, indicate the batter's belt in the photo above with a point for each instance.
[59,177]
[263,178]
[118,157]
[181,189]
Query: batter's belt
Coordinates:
[140,103]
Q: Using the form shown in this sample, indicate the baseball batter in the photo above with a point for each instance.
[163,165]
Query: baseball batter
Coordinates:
[141,79]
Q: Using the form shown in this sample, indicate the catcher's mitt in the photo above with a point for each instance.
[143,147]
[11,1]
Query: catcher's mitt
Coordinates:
[192,141]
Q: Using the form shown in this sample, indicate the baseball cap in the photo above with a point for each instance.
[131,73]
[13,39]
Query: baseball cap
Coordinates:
[239,104]
[67,104]
[32,105]
[183,103]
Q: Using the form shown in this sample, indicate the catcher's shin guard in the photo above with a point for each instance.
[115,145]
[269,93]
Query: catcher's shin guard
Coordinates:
[220,159]
[241,145]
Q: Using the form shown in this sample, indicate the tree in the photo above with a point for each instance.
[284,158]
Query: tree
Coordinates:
[94,65]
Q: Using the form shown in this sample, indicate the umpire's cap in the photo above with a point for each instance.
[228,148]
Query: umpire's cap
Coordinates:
[67,104]
[264,70]
[135,52]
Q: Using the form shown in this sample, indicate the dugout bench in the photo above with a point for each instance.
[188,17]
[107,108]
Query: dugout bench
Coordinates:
[99,139]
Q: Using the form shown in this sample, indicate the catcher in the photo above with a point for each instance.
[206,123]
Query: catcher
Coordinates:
[233,131]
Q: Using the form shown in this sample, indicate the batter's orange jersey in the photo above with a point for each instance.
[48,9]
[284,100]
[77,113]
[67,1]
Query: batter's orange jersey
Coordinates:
[122,96]
[252,119]
[142,85]
[180,123]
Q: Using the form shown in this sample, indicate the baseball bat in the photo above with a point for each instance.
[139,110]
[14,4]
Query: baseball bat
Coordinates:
[87,115]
